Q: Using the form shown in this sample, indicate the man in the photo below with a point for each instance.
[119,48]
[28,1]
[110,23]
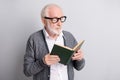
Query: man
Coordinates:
[38,62]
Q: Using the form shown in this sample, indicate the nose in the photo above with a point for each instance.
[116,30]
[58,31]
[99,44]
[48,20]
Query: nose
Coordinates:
[59,23]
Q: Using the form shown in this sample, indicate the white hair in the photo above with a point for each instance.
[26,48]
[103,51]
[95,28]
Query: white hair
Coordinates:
[44,10]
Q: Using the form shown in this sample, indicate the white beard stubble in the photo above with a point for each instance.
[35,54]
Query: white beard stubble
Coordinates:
[53,31]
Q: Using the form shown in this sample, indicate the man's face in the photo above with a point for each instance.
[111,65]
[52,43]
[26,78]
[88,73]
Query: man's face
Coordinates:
[54,25]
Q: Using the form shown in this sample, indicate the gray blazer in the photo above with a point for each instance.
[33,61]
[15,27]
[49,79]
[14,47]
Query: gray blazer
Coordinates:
[36,49]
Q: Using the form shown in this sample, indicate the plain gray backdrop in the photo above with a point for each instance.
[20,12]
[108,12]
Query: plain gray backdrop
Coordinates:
[95,21]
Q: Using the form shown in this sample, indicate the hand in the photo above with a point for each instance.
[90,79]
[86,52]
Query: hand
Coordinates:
[51,59]
[78,55]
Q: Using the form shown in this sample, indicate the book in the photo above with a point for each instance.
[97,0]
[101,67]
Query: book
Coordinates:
[65,53]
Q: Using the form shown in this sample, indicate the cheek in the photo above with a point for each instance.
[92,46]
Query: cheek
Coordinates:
[53,26]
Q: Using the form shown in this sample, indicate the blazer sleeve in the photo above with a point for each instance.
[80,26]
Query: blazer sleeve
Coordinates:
[78,65]
[31,65]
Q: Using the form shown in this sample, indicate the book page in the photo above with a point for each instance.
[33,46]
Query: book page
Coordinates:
[78,46]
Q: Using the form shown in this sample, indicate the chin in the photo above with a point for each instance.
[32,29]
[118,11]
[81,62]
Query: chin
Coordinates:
[56,32]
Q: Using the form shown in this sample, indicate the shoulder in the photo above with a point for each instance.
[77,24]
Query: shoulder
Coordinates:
[36,35]
[70,40]
[67,34]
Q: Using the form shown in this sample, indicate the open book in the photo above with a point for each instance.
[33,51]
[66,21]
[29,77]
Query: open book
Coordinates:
[65,53]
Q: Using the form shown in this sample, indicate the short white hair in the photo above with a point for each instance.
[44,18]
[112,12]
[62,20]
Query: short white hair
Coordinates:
[44,10]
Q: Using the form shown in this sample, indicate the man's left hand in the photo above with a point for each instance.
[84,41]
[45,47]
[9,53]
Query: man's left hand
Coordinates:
[78,55]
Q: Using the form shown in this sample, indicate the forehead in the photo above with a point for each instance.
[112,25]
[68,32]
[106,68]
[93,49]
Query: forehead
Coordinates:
[54,11]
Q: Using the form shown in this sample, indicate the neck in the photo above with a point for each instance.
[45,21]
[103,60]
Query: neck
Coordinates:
[53,36]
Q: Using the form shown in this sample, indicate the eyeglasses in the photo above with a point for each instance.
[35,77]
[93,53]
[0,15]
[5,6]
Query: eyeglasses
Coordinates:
[55,19]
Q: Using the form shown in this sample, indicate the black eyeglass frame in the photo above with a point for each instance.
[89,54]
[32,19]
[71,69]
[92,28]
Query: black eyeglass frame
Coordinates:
[56,19]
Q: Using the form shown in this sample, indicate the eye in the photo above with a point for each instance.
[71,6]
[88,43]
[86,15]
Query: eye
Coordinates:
[63,19]
[54,20]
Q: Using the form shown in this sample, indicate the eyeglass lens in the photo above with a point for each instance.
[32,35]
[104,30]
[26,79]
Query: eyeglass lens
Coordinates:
[55,20]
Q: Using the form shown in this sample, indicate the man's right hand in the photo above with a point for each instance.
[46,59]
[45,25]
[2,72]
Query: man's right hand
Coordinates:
[51,59]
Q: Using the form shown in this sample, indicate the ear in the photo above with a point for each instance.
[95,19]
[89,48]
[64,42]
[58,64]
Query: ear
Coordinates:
[43,21]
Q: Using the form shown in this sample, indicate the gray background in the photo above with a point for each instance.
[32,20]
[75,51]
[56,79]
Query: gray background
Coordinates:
[96,21]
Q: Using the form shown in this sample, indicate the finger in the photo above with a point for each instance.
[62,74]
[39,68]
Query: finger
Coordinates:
[76,54]
[50,62]
[55,57]
[77,57]
[79,51]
